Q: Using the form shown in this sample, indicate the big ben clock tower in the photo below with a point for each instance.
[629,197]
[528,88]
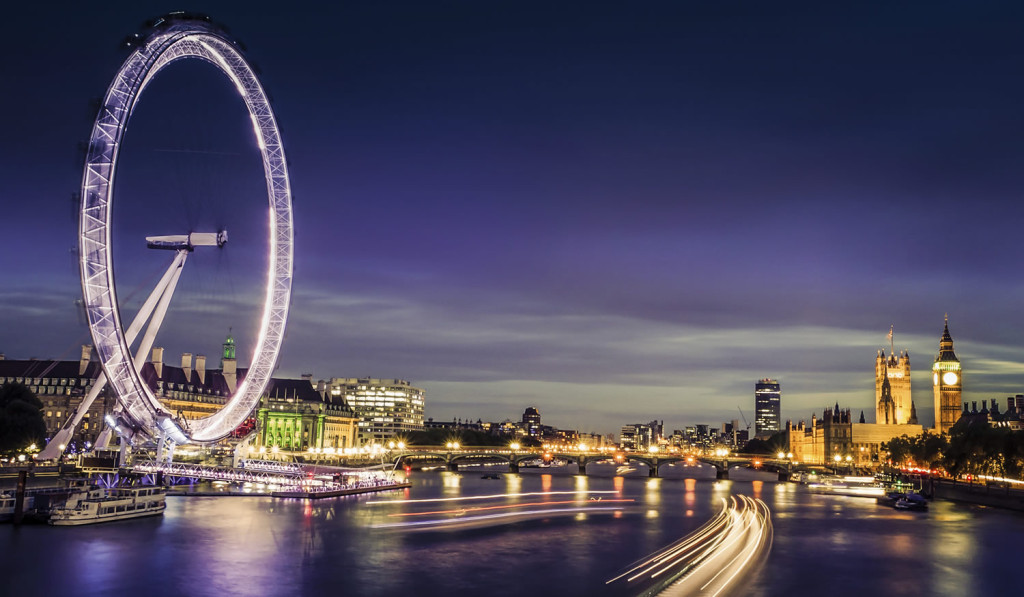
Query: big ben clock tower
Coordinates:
[948,384]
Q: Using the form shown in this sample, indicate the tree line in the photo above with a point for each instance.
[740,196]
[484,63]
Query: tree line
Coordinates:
[971,448]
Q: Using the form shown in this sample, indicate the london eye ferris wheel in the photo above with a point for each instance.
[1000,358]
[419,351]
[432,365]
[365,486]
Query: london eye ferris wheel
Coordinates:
[140,414]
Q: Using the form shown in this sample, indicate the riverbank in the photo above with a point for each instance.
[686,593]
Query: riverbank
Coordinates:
[982,494]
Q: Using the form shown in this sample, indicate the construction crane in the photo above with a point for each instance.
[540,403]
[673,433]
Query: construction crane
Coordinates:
[744,420]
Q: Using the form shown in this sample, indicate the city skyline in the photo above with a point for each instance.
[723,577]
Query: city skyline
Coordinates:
[611,214]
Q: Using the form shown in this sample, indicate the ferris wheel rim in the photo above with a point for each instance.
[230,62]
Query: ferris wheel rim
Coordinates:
[172,40]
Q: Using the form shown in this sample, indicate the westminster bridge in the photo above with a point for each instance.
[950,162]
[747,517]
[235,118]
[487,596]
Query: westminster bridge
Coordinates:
[452,458]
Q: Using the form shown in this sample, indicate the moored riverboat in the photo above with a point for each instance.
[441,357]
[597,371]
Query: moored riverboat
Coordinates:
[7,502]
[911,501]
[96,505]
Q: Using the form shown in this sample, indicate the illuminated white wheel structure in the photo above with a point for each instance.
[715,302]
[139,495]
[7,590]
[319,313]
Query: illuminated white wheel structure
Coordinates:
[173,39]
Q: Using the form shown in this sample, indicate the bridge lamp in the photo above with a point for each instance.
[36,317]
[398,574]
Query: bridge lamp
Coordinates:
[653,449]
[781,455]
[401,445]
[583,447]
[391,445]
[789,455]
[455,445]
[849,458]
[514,446]
[275,449]
[838,458]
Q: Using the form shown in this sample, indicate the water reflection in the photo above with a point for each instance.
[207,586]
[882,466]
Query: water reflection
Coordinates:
[653,495]
[265,546]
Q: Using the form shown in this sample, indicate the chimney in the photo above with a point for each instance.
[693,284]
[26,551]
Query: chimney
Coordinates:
[158,362]
[86,355]
[186,365]
[230,376]
[201,368]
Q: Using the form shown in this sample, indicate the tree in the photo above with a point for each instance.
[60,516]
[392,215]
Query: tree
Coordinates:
[901,450]
[771,446]
[929,449]
[21,418]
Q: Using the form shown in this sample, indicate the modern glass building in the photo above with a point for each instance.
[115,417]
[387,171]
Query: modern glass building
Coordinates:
[767,407]
[386,407]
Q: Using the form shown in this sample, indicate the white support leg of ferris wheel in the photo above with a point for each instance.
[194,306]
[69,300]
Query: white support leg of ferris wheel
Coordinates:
[60,440]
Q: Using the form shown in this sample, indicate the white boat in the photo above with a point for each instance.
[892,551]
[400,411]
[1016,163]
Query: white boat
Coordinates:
[108,504]
[7,501]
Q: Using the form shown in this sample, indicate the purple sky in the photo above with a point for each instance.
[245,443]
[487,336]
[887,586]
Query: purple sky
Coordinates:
[612,214]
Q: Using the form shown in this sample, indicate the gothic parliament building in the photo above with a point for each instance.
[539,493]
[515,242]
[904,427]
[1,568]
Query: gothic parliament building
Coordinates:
[835,436]
[893,402]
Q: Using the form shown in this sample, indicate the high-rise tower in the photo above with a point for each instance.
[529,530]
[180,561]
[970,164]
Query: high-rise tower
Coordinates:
[897,371]
[767,407]
[948,383]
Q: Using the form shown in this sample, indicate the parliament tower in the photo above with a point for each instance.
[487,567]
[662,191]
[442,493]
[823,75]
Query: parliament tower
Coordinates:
[893,402]
[948,384]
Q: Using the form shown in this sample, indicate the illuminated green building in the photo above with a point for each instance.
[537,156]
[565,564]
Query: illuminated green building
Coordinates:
[293,416]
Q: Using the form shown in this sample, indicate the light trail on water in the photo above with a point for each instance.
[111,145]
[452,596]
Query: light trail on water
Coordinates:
[711,560]
[504,507]
[487,497]
[486,519]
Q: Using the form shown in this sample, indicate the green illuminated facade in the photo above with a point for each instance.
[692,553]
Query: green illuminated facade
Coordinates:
[293,416]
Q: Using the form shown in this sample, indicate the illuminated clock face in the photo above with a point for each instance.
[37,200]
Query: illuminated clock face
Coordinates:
[949,378]
[935,378]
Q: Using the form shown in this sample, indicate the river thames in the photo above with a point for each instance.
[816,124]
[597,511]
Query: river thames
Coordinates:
[372,545]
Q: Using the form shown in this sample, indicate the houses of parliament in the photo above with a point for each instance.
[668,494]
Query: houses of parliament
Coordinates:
[834,436]
[894,404]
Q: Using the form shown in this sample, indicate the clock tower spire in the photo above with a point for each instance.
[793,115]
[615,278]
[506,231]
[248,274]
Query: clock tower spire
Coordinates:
[947,382]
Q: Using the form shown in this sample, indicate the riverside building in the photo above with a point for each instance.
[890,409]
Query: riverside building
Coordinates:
[386,407]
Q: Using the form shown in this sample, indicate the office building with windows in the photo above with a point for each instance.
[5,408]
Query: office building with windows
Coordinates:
[767,407]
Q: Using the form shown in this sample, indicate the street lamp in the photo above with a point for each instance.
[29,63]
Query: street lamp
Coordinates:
[781,455]
[514,446]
